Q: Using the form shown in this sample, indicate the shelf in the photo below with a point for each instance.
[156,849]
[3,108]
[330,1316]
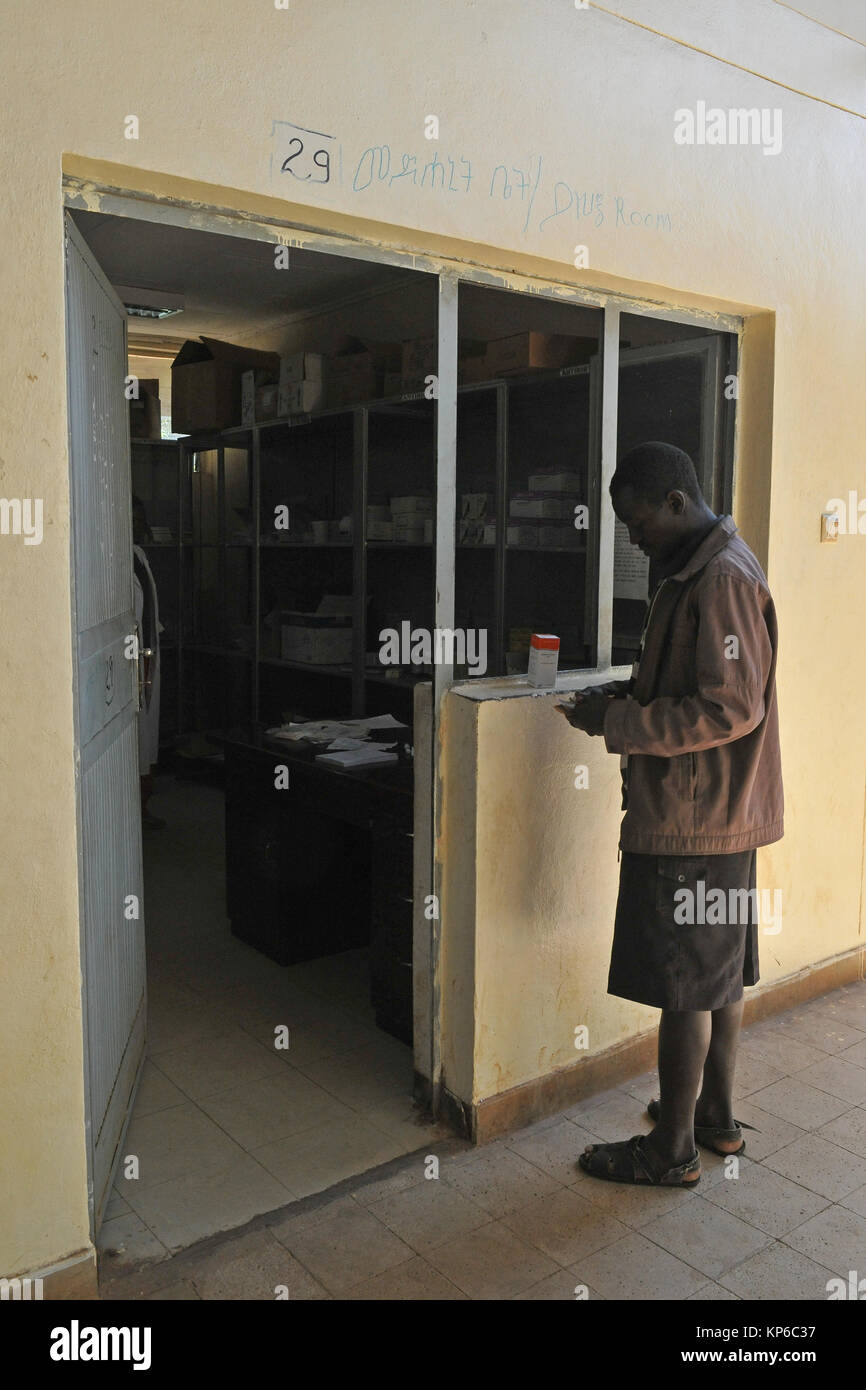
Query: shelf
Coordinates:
[208,649]
[383,404]
[344,672]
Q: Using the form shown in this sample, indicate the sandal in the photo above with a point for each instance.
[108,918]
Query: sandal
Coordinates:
[709,1136]
[630,1161]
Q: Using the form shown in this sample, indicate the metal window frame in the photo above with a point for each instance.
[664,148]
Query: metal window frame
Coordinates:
[87,195]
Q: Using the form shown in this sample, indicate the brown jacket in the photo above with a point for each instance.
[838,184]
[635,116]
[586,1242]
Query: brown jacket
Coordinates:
[700,721]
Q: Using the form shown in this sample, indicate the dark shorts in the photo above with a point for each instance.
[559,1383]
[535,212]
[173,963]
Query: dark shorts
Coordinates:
[692,950]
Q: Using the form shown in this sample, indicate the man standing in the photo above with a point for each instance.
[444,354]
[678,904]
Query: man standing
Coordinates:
[697,728]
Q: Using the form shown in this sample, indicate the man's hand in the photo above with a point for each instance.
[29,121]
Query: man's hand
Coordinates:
[587,713]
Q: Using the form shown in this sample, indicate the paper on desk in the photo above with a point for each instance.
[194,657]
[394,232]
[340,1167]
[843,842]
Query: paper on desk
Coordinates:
[379,721]
[357,757]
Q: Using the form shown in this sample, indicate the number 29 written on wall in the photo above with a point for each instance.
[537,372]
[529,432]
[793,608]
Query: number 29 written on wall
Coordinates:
[309,157]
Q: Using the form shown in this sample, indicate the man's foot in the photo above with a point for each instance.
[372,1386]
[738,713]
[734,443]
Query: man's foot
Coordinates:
[722,1139]
[635,1161]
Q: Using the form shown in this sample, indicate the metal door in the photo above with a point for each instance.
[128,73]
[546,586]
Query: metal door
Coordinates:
[106,691]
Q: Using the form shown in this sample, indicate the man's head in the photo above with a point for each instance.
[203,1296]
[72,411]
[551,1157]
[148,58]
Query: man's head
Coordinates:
[140,528]
[655,492]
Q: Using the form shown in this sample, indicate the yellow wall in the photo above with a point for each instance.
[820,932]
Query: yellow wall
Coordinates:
[582,98]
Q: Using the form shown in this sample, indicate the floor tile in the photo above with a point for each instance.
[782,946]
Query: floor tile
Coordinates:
[856,1053]
[408,1175]
[816,1030]
[561,1287]
[115,1206]
[170,1143]
[428,1214]
[794,1099]
[414,1280]
[703,1235]
[179,1290]
[255,1266]
[766,1199]
[839,1078]
[786,1053]
[633,1206]
[271,1109]
[777,1274]
[855,1201]
[753,1073]
[769,1132]
[500,1182]
[155,1092]
[126,1240]
[491,1263]
[565,1226]
[555,1150]
[615,1115]
[219,1064]
[712,1293]
[352,1245]
[836,1238]
[199,1204]
[820,1165]
[317,1158]
[635,1268]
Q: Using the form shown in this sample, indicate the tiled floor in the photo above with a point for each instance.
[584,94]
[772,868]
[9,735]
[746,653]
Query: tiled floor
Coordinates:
[316,1164]
[225,1126]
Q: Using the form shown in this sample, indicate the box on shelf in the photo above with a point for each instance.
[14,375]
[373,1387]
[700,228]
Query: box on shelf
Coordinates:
[428,530]
[419,357]
[206,383]
[357,372]
[378,511]
[470,532]
[417,503]
[525,504]
[300,397]
[475,505]
[554,482]
[145,421]
[380,530]
[409,534]
[323,637]
[522,352]
[524,534]
[489,537]
[302,366]
[559,535]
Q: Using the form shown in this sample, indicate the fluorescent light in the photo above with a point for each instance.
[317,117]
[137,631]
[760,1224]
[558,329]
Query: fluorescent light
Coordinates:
[149,304]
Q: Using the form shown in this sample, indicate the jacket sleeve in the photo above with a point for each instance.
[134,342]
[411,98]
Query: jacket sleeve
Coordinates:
[729,700]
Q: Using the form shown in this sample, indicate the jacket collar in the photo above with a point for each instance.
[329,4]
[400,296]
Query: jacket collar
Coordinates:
[713,542]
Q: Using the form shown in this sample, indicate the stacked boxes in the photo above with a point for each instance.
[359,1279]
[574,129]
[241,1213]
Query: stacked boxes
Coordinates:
[409,515]
[206,383]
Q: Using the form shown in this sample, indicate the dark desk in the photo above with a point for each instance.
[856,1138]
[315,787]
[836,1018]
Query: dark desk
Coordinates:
[325,864]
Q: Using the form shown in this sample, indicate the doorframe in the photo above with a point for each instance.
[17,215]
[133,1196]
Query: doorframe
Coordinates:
[88,195]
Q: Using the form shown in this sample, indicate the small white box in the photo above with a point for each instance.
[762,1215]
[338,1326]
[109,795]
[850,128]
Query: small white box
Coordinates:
[543,660]
[522,535]
[424,505]
[554,482]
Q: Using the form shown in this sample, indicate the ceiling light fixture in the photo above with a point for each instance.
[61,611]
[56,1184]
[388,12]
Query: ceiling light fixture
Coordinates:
[149,304]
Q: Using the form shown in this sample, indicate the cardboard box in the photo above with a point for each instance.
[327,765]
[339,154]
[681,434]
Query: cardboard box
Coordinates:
[357,373]
[380,530]
[524,534]
[423,504]
[419,356]
[554,482]
[324,637]
[523,352]
[206,383]
[300,397]
[538,506]
[302,366]
[145,421]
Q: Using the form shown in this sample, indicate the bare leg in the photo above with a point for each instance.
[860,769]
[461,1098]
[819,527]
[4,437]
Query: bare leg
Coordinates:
[684,1040]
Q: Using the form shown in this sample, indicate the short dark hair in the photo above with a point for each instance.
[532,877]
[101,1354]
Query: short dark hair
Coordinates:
[652,470]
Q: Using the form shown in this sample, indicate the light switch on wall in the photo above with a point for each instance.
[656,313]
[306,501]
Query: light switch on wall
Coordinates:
[829,526]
